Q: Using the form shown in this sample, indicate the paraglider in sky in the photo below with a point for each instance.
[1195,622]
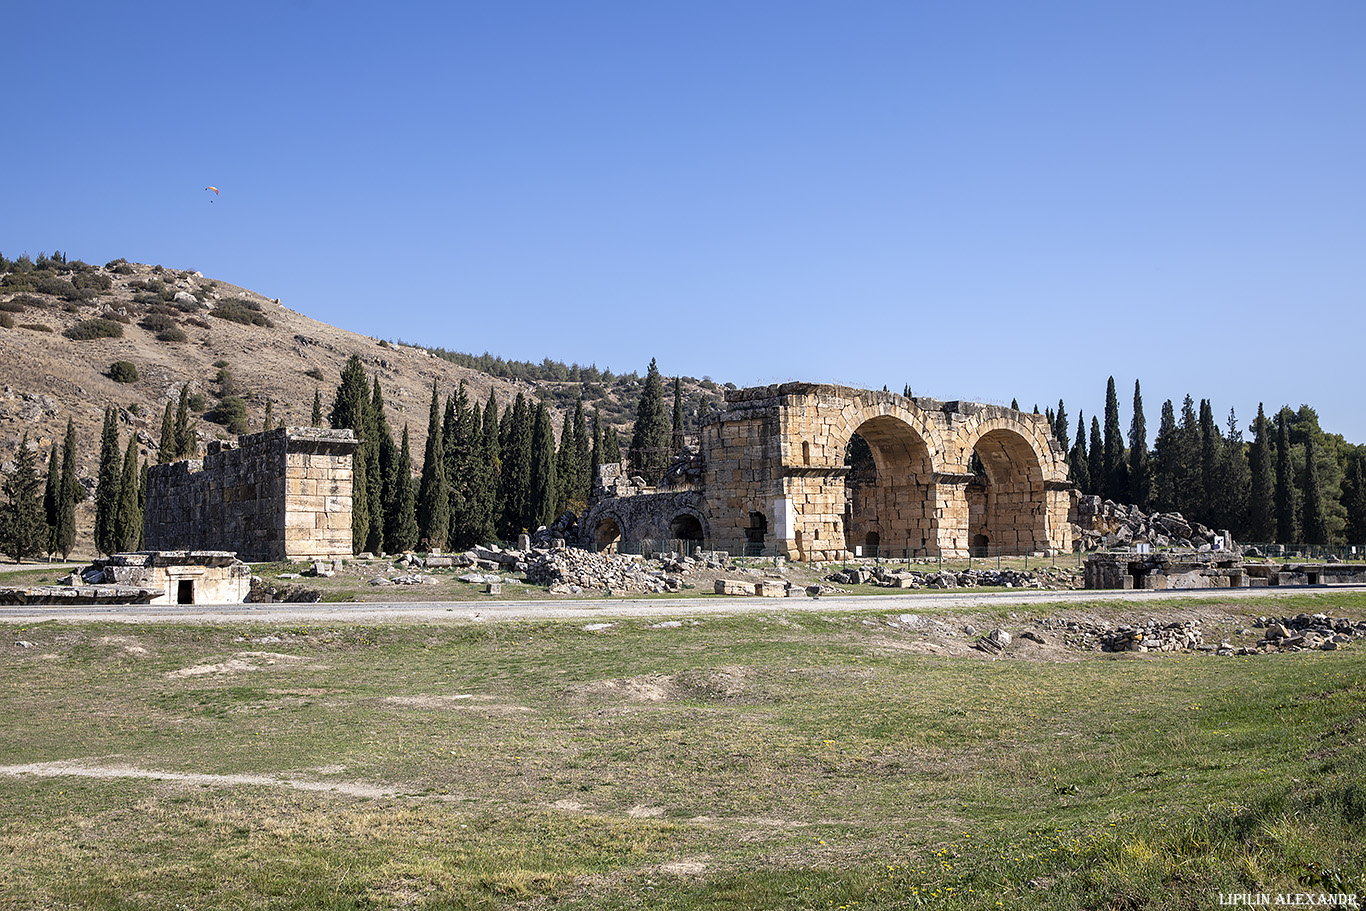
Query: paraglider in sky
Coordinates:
[215,190]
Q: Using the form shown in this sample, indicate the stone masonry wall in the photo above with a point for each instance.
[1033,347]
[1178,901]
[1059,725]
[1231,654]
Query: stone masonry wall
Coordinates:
[284,494]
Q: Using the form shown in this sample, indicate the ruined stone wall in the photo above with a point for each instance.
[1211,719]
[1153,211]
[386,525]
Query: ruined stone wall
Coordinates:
[284,494]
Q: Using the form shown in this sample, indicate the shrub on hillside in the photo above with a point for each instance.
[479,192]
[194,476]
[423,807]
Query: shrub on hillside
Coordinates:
[173,334]
[231,413]
[197,322]
[14,305]
[197,402]
[158,322]
[94,328]
[242,311]
[314,373]
[123,372]
[36,327]
[119,266]
[6,321]
[92,281]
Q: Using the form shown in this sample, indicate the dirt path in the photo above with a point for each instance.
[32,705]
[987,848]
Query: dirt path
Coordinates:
[83,769]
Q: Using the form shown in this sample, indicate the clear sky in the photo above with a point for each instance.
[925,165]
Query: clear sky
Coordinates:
[984,200]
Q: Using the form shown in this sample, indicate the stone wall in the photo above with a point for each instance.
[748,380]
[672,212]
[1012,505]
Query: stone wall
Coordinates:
[284,494]
[194,577]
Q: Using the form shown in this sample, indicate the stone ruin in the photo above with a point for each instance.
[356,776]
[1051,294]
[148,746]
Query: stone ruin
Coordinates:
[771,479]
[174,577]
[283,494]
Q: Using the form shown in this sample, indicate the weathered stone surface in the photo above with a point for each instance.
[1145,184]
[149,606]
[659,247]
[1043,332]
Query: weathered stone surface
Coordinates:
[734,587]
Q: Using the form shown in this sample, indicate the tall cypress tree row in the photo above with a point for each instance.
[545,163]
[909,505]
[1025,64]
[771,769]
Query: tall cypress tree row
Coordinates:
[1188,496]
[459,441]
[611,446]
[22,524]
[566,466]
[484,526]
[1140,468]
[650,437]
[1315,522]
[1078,465]
[541,505]
[52,500]
[169,447]
[1165,464]
[383,459]
[595,454]
[1116,473]
[1096,459]
[107,493]
[581,485]
[128,524]
[1209,512]
[1354,498]
[402,527]
[350,412]
[69,491]
[1262,492]
[1060,427]
[516,486]
[1235,479]
[433,500]
[1287,503]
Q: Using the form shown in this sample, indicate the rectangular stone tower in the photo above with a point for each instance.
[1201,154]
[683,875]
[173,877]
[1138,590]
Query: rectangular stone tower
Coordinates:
[284,494]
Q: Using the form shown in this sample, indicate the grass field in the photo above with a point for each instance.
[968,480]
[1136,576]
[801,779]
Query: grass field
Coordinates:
[782,761]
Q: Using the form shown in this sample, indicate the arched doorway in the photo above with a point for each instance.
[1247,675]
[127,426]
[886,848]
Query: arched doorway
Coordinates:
[607,536]
[756,534]
[687,530]
[889,489]
[1009,512]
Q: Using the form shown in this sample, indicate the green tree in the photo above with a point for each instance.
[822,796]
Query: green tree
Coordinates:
[583,446]
[1235,479]
[382,466]
[1262,484]
[541,506]
[22,525]
[1078,465]
[1060,427]
[566,466]
[128,524]
[1210,443]
[170,446]
[483,523]
[595,454]
[1287,500]
[650,437]
[316,419]
[433,501]
[267,418]
[1096,459]
[611,446]
[1354,497]
[52,500]
[1315,521]
[403,528]
[1166,462]
[516,451]
[1140,469]
[350,411]
[676,434]
[186,446]
[1115,473]
[107,492]
[70,492]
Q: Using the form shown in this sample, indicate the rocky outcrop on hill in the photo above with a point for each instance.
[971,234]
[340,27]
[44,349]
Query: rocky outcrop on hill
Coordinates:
[1103,524]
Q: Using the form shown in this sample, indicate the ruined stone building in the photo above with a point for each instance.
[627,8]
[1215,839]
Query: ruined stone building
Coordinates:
[284,494]
[773,480]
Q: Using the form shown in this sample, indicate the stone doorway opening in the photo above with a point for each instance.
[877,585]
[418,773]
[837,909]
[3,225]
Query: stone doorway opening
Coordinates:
[184,591]
[889,490]
[1007,508]
[756,534]
[607,536]
[687,530]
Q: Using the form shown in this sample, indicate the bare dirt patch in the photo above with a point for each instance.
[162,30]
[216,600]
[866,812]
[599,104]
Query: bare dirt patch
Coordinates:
[80,769]
[242,662]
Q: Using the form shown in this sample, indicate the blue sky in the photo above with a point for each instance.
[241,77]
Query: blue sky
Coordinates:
[983,200]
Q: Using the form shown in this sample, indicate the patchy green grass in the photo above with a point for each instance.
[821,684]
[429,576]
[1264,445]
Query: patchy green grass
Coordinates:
[777,761]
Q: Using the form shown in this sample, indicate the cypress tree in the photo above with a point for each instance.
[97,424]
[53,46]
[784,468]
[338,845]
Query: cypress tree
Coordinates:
[1116,482]
[611,446]
[1140,477]
[1096,460]
[1235,479]
[1287,505]
[316,418]
[1187,478]
[582,453]
[595,454]
[676,436]
[403,527]
[650,437]
[1014,403]
[1210,508]
[143,471]
[52,501]
[266,419]
[107,493]
[1262,493]
[1077,464]
[459,437]
[128,525]
[1315,509]
[517,509]
[484,524]
[433,501]
[69,492]
[1354,498]
[23,525]
[383,463]
[169,447]
[186,446]
[566,466]
[1165,463]
[541,506]
[1060,427]
[349,412]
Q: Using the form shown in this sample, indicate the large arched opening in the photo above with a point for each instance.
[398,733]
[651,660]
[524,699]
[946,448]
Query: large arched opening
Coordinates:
[686,530]
[607,536]
[889,489]
[1007,507]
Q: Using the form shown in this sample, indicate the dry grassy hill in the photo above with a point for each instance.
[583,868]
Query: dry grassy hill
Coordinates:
[177,326]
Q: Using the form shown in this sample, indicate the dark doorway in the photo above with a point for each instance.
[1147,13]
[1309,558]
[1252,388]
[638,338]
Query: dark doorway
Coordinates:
[755,534]
[185,591]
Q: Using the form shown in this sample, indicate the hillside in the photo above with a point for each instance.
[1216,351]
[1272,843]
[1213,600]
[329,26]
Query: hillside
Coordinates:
[179,327]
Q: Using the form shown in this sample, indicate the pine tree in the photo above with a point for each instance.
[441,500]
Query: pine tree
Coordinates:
[169,447]
[650,437]
[316,419]
[1315,522]
[1096,460]
[1262,492]
[1140,469]
[1078,465]
[541,506]
[1287,503]
[22,525]
[70,492]
[107,493]
[186,446]
[52,501]
[433,501]
[128,524]
[403,527]
[1165,463]
[1116,474]
[676,435]
[1060,427]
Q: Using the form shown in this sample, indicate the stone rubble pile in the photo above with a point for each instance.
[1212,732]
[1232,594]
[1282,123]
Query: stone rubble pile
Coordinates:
[571,571]
[1052,578]
[1103,524]
[1303,632]
[1154,636]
